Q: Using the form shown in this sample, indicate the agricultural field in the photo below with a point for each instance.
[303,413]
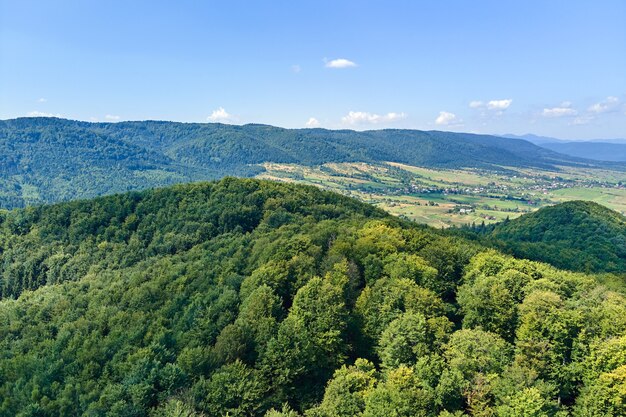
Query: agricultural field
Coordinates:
[444,198]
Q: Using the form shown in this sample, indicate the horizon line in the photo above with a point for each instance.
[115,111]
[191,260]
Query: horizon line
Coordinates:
[498,135]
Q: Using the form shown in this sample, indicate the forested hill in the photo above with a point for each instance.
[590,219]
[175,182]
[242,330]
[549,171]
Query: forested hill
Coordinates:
[47,160]
[252,298]
[577,235]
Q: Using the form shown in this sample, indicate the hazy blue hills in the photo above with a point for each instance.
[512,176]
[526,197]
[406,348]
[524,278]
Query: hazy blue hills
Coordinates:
[598,149]
[577,235]
[540,140]
[48,159]
[601,151]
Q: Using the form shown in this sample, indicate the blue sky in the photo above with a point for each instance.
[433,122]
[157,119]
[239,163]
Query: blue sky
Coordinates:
[554,68]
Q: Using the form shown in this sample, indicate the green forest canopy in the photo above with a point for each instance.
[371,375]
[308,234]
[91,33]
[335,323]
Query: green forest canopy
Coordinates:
[48,160]
[577,235]
[252,298]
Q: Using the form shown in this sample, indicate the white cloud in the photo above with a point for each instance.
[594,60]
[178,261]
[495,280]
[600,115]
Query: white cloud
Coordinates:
[446,119]
[41,100]
[42,114]
[296,68]
[111,117]
[499,104]
[312,122]
[562,111]
[340,63]
[491,107]
[359,117]
[220,115]
[605,105]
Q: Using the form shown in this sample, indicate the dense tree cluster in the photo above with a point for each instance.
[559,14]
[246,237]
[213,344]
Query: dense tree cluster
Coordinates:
[578,235]
[47,160]
[251,298]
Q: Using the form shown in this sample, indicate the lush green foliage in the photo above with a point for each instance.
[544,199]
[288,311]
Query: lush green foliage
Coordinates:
[251,298]
[50,160]
[578,235]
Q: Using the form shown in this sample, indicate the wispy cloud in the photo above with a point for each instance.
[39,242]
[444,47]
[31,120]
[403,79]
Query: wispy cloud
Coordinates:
[446,118]
[41,100]
[340,63]
[42,114]
[564,110]
[359,117]
[112,118]
[499,105]
[296,68]
[312,122]
[220,115]
[606,105]
[558,112]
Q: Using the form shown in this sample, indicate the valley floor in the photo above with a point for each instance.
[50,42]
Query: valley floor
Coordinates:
[444,198]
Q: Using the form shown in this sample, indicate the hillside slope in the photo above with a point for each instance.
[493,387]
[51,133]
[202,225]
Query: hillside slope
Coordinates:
[577,235]
[203,144]
[49,160]
[252,298]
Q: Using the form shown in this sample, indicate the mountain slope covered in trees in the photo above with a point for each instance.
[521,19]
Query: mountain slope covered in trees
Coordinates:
[49,160]
[577,235]
[252,298]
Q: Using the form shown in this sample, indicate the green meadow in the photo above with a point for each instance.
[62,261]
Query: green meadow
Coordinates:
[455,197]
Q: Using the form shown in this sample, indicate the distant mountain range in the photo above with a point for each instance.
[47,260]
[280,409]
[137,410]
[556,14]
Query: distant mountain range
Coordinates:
[598,149]
[48,159]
